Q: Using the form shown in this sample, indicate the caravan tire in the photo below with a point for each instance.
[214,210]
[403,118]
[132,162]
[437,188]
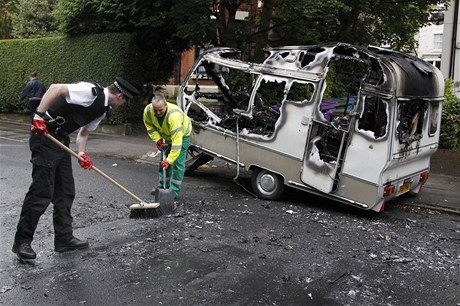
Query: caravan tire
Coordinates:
[267,185]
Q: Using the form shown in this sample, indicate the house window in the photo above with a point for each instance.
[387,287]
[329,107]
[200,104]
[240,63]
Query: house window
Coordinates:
[437,41]
[436,63]
[200,72]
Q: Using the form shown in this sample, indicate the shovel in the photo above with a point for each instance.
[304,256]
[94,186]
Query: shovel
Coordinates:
[164,195]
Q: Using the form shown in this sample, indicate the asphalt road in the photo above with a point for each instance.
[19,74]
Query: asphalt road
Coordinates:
[224,247]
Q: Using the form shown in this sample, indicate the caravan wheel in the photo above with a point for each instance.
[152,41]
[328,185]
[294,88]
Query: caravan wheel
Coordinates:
[267,185]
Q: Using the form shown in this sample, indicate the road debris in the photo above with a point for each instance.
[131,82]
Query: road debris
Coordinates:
[5,289]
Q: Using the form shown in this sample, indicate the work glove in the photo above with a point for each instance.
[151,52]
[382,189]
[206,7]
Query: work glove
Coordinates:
[160,144]
[86,163]
[165,164]
[38,125]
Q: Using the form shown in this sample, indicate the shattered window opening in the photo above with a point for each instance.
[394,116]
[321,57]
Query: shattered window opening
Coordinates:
[343,82]
[235,85]
[375,76]
[434,116]
[299,92]
[374,117]
[307,57]
[226,97]
[271,92]
[229,90]
[411,117]
[329,142]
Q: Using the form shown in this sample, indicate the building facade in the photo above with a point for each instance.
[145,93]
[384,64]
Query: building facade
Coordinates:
[430,40]
[450,59]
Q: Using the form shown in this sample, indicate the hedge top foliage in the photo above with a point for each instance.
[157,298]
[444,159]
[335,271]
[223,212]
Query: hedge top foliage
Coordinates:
[95,58]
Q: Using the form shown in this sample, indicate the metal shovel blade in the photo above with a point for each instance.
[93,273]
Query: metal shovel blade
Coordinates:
[165,196]
[166,199]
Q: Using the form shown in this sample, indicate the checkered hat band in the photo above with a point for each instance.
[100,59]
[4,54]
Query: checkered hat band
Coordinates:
[120,89]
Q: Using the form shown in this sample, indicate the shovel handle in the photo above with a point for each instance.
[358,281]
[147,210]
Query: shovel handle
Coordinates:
[164,172]
[65,148]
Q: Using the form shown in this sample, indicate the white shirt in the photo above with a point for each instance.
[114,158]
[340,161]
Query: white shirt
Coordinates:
[82,94]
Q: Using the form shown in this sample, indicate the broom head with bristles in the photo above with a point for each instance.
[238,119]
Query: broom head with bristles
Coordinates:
[145,210]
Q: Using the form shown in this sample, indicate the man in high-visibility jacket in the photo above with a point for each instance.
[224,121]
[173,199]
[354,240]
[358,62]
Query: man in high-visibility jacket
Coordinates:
[170,129]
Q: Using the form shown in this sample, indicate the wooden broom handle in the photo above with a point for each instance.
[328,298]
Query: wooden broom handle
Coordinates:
[64,147]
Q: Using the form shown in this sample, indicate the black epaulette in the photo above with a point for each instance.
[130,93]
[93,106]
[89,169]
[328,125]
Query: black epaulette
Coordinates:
[97,89]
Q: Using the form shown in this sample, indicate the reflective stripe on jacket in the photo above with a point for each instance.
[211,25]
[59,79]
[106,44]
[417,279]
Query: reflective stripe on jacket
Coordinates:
[176,125]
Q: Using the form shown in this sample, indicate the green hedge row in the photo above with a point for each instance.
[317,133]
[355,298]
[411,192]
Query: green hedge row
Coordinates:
[95,58]
[450,123]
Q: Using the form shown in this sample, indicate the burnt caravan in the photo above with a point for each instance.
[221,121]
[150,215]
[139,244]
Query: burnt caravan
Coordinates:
[357,125]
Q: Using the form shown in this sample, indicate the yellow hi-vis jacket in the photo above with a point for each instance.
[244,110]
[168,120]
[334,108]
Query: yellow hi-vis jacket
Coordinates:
[176,124]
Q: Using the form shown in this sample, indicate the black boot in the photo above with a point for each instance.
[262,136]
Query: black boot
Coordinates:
[70,245]
[24,250]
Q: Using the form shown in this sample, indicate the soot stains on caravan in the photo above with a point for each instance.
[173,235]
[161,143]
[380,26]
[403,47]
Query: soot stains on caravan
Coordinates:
[222,90]
[349,86]
[334,119]
[239,95]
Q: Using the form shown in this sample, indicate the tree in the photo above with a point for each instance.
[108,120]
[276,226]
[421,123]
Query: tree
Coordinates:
[362,22]
[261,36]
[303,22]
[164,28]
[213,22]
[33,18]
[6,8]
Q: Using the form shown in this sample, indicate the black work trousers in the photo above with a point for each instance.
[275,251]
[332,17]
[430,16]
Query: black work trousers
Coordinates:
[33,104]
[52,181]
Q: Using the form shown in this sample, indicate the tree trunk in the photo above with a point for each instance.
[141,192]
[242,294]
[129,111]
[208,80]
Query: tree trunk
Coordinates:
[261,37]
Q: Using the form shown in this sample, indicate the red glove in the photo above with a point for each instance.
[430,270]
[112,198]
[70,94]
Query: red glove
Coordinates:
[165,164]
[160,144]
[39,126]
[86,163]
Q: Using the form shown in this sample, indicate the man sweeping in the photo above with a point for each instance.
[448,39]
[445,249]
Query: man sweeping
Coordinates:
[170,129]
[63,109]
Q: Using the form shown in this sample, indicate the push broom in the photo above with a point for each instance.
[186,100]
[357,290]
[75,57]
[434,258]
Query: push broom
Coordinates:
[138,210]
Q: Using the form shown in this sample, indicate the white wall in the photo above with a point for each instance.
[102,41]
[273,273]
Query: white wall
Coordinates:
[449,53]
[426,40]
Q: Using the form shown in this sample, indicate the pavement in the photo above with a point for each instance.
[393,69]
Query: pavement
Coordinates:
[441,192]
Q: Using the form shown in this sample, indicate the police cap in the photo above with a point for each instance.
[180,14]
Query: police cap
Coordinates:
[125,88]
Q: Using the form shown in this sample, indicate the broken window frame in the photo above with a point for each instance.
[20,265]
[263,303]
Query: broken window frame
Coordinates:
[434,118]
[261,118]
[374,116]
[342,89]
[411,114]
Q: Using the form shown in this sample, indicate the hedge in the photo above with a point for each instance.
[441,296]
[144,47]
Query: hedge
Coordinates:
[101,57]
[450,123]
[95,58]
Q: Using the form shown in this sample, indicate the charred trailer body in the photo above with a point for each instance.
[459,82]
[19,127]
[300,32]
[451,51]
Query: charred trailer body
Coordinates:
[357,125]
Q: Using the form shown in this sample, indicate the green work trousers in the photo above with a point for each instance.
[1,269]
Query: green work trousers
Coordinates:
[175,172]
